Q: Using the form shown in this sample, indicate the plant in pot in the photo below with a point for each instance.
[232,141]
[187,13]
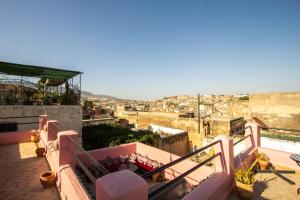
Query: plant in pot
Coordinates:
[35,137]
[40,152]
[262,159]
[244,180]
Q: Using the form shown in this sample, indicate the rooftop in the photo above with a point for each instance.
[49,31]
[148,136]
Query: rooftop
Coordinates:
[20,171]
[101,173]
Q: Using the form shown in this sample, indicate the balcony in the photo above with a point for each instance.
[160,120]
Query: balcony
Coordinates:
[85,174]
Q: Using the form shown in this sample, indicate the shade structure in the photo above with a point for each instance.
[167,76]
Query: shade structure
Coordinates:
[37,71]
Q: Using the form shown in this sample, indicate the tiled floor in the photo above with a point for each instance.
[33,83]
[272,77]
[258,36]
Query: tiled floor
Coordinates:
[270,186]
[19,173]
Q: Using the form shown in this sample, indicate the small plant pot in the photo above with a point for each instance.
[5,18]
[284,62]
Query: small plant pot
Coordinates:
[48,179]
[35,138]
[244,191]
[40,152]
[263,164]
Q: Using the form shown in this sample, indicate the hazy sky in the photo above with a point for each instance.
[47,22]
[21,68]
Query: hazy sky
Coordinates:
[151,49]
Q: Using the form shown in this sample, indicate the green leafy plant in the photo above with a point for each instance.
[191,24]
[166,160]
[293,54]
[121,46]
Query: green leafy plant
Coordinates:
[245,176]
[282,136]
[261,156]
[104,135]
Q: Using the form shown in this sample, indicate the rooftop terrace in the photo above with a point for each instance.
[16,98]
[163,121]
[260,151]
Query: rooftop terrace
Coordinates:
[88,174]
[20,171]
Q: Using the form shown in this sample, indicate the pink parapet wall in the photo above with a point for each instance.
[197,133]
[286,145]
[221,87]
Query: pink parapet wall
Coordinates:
[43,121]
[121,185]
[246,157]
[15,137]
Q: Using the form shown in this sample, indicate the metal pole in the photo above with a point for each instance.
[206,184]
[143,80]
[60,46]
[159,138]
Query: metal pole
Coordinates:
[79,89]
[21,89]
[198,113]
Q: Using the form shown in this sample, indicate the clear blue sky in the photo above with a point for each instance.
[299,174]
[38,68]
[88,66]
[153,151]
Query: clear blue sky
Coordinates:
[156,48]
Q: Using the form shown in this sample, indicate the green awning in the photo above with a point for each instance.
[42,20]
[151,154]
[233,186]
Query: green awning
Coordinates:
[36,71]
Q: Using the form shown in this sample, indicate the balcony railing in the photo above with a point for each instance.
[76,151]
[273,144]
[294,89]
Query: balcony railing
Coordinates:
[153,194]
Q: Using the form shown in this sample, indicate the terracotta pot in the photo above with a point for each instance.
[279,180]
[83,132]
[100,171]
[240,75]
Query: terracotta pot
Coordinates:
[35,138]
[244,191]
[263,164]
[48,178]
[40,152]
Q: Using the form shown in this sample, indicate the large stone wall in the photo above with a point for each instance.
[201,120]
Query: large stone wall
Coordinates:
[177,144]
[190,125]
[280,110]
[69,117]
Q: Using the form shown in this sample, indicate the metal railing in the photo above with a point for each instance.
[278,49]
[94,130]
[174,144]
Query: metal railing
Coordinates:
[240,131]
[240,140]
[100,169]
[176,180]
[173,182]
[243,138]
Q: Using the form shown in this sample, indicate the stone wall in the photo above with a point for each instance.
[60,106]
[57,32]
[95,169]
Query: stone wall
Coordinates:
[190,125]
[69,117]
[177,144]
[280,110]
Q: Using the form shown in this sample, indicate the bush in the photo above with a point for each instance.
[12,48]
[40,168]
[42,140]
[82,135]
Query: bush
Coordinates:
[294,138]
[104,135]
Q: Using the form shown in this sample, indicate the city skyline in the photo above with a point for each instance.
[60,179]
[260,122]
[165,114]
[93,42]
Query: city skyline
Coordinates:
[148,50]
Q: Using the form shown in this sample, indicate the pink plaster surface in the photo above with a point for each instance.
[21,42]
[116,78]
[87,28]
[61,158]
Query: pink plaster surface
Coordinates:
[52,130]
[121,185]
[114,152]
[15,137]
[246,157]
[218,186]
[42,121]
[225,147]
[164,157]
[70,187]
[67,148]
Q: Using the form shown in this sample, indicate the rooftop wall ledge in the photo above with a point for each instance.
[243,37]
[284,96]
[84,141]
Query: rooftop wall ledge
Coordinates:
[121,185]
[255,131]
[52,130]
[42,121]
[66,147]
[226,160]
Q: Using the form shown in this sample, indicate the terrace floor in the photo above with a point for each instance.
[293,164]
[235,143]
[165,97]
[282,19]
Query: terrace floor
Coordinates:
[20,170]
[270,186]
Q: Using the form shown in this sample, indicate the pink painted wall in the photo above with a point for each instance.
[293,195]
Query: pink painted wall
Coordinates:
[70,187]
[121,185]
[218,186]
[15,137]
[114,152]
[172,172]
[246,157]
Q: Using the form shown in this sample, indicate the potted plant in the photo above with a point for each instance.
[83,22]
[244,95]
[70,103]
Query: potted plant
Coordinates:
[244,180]
[40,152]
[48,178]
[262,159]
[34,137]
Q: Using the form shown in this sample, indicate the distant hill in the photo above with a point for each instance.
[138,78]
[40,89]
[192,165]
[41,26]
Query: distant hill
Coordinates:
[85,95]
